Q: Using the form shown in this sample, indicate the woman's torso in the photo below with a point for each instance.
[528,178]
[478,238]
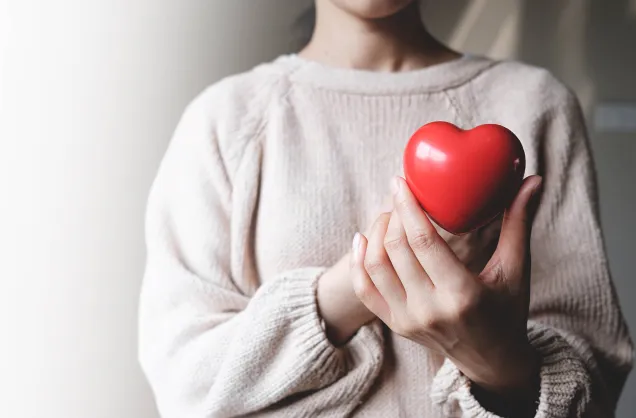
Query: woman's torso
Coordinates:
[327,154]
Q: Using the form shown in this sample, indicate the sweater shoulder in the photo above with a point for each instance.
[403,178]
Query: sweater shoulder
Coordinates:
[518,81]
[241,91]
[234,110]
[236,99]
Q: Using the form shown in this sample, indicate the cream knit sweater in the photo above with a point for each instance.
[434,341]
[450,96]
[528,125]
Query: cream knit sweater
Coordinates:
[267,178]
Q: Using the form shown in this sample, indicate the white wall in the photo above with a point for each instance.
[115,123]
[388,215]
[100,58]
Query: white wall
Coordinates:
[90,92]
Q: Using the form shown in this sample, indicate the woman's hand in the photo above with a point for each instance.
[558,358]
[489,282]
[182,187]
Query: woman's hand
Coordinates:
[338,305]
[408,276]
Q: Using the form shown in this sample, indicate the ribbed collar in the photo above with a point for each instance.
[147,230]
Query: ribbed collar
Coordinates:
[429,79]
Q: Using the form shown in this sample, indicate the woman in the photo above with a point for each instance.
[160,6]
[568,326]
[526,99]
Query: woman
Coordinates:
[252,302]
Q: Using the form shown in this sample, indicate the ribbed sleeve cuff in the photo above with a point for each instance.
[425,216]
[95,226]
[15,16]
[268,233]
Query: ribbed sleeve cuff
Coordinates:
[565,382]
[279,349]
[306,328]
[306,340]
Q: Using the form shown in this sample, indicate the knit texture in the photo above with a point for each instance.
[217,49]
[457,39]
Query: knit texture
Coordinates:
[268,176]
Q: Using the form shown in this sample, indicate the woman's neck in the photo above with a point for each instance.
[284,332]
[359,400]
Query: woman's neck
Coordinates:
[397,43]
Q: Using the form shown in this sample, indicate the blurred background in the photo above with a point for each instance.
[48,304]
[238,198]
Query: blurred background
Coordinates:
[90,92]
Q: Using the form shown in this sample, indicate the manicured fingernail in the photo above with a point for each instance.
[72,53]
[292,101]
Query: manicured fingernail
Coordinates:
[355,246]
[395,186]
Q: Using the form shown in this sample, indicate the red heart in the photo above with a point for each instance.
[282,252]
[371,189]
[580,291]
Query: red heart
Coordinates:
[464,178]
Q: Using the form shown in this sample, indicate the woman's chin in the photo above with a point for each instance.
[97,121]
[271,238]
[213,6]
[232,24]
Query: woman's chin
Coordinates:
[372,9]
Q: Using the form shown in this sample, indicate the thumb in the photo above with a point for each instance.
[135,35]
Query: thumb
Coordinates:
[512,253]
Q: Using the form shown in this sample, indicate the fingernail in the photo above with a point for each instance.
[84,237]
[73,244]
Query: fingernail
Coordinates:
[355,246]
[537,188]
[395,186]
[535,198]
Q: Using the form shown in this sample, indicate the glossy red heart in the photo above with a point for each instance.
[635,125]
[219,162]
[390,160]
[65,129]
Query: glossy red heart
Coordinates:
[464,178]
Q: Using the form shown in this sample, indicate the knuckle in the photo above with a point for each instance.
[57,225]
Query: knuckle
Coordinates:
[422,315]
[395,243]
[432,321]
[403,204]
[374,265]
[422,240]
[403,328]
[465,307]
[494,272]
[499,273]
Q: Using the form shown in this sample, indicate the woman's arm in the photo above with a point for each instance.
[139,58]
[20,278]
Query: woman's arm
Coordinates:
[338,304]
[574,302]
[575,323]
[208,346]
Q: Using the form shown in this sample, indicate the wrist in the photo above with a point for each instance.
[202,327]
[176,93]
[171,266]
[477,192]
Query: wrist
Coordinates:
[506,368]
[518,371]
[516,391]
[338,306]
[518,405]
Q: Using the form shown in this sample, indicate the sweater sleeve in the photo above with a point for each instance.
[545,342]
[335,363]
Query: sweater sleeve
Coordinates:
[575,321]
[208,347]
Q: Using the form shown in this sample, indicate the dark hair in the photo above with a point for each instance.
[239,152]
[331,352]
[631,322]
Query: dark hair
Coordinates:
[304,25]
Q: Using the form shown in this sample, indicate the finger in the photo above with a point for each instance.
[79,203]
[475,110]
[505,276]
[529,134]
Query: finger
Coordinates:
[514,240]
[379,267]
[406,265]
[385,207]
[363,286]
[435,256]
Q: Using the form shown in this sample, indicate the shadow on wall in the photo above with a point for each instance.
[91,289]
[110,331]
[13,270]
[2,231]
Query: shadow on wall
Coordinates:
[540,32]
[585,43]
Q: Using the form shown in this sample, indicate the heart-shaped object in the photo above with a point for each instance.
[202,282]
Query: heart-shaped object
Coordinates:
[464,178]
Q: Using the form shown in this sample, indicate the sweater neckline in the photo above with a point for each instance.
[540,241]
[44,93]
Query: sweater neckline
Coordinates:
[430,79]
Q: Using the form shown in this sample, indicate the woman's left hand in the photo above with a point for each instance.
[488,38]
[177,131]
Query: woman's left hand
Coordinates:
[409,277]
